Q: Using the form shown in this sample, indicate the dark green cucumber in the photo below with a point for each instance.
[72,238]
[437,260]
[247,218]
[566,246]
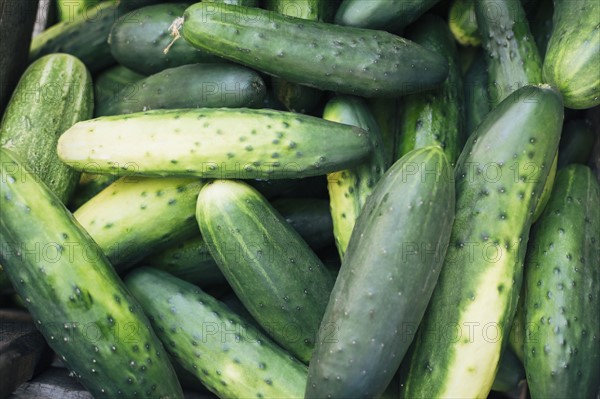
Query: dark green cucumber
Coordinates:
[562,298]
[190,86]
[541,25]
[463,22]
[517,336]
[547,190]
[573,53]
[135,216]
[386,113]
[280,280]
[295,97]
[510,372]
[386,280]
[350,188]
[226,353]
[138,40]
[512,56]
[499,178]
[214,143]
[381,14]
[109,83]
[54,93]
[477,100]
[576,142]
[325,56]
[69,9]
[80,305]
[435,117]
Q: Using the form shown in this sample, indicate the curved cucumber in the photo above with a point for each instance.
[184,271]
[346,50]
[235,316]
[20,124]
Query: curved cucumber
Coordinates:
[109,83]
[190,86]
[53,94]
[573,53]
[562,299]
[477,100]
[463,22]
[349,189]
[385,283]
[78,302]
[136,216]
[272,270]
[576,142]
[435,117]
[325,56]
[227,354]
[214,143]
[473,305]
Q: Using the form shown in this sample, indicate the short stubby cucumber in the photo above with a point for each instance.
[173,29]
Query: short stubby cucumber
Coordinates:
[109,83]
[499,178]
[226,353]
[350,188]
[219,143]
[280,280]
[562,297]
[386,280]
[190,86]
[53,94]
[135,216]
[325,56]
[77,301]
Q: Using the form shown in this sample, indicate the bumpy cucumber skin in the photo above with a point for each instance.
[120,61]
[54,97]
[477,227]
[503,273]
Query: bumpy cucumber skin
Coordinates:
[463,22]
[138,39]
[479,284]
[229,356]
[512,56]
[381,14]
[477,100]
[76,299]
[214,143]
[383,286]
[573,53]
[190,86]
[280,280]
[576,143]
[562,301]
[53,94]
[325,56]
[436,117]
[136,216]
[349,189]
[109,83]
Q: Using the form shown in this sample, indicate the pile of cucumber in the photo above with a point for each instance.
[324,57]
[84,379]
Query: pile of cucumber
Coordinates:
[309,198]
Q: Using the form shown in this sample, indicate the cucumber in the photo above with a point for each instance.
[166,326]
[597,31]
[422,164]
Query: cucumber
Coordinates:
[473,305]
[295,97]
[109,83]
[244,3]
[463,22]
[138,40]
[386,111]
[325,56]
[135,216]
[384,284]
[541,25]
[271,269]
[510,373]
[512,56]
[79,304]
[516,339]
[69,9]
[477,100]
[547,190]
[435,117]
[562,297]
[213,143]
[54,93]
[88,187]
[576,143]
[387,15]
[350,188]
[190,86]
[573,53]
[229,356]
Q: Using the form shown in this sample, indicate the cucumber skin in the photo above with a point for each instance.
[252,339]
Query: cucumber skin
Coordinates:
[380,289]
[109,83]
[136,216]
[224,143]
[512,56]
[190,86]
[477,100]
[137,40]
[573,53]
[562,300]
[83,290]
[62,90]
[462,22]
[435,117]
[226,353]
[281,282]
[477,287]
[375,64]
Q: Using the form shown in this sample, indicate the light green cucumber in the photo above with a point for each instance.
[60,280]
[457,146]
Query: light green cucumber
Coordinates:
[226,353]
[214,143]
[470,314]
[275,274]
[53,94]
[135,216]
[77,301]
